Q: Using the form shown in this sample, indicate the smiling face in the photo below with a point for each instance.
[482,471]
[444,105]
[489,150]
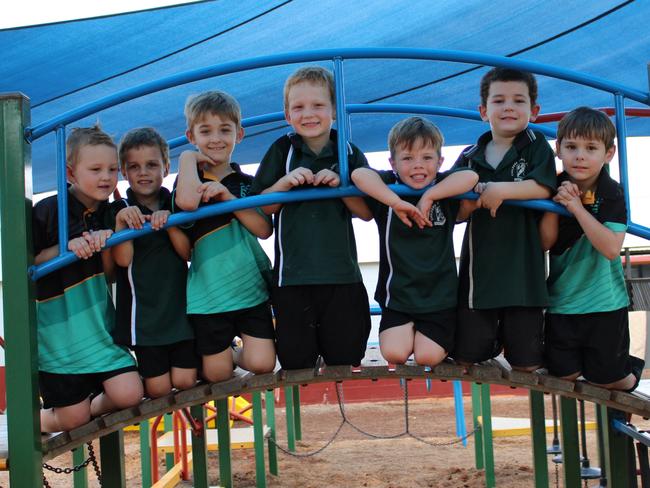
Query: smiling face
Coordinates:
[310,112]
[583,159]
[93,174]
[418,165]
[215,136]
[144,168]
[508,108]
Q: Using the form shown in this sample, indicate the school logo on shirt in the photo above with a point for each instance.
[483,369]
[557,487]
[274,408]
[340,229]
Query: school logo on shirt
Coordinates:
[436,215]
[518,170]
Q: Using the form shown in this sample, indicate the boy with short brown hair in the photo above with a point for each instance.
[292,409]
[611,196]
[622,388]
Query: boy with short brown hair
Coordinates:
[587,320]
[502,289]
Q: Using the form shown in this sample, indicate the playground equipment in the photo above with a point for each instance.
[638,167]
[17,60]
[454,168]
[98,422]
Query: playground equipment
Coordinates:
[26,450]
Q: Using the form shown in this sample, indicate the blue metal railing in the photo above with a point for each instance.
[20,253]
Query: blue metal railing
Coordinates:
[337,56]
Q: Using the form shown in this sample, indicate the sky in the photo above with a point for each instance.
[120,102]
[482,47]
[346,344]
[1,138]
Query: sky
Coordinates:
[15,14]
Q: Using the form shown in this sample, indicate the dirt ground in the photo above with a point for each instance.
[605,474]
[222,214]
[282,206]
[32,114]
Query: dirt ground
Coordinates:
[356,460]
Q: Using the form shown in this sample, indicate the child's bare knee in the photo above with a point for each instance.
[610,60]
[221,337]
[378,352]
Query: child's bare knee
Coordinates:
[429,358]
[216,375]
[185,382]
[395,356]
[261,365]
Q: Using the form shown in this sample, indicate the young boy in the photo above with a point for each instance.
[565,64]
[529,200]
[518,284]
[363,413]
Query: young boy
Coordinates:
[418,283]
[76,355]
[320,303]
[151,316]
[227,289]
[587,325]
[502,288]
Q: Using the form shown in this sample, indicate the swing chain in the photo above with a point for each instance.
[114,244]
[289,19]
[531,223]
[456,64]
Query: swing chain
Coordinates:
[91,459]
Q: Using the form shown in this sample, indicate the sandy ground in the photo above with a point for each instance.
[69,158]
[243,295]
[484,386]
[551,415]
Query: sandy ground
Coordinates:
[356,460]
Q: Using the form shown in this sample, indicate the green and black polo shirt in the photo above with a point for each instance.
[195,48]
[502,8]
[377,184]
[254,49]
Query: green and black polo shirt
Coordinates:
[230,270]
[75,313]
[151,290]
[314,241]
[417,267]
[502,262]
[581,280]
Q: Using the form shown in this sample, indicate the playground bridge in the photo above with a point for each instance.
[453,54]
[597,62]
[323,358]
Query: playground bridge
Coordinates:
[26,450]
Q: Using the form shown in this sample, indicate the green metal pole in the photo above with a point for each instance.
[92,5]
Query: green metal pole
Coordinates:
[619,451]
[538,433]
[291,422]
[200,449]
[296,412]
[169,426]
[21,357]
[488,450]
[79,478]
[270,421]
[145,453]
[223,436]
[258,431]
[478,430]
[570,447]
[111,451]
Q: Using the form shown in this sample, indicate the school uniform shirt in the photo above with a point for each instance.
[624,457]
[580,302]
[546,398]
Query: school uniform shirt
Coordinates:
[417,267]
[229,269]
[74,310]
[151,300]
[582,280]
[314,241]
[502,262]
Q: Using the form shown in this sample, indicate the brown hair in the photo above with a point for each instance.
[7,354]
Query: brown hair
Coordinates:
[143,136]
[409,130]
[212,102]
[311,74]
[587,123]
[508,74]
[85,136]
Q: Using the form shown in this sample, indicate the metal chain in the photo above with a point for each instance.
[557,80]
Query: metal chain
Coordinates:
[312,453]
[91,459]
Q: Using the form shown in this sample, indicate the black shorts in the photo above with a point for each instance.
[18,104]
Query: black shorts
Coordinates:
[594,344]
[438,326]
[64,390]
[332,321]
[481,334]
[154,361]
[213,333]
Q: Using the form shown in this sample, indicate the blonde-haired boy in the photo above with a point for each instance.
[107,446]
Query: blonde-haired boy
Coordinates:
[321,306]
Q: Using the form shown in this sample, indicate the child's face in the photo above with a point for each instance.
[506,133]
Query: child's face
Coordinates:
[418,166]
[144,168]
[508,108]
[94,174]
[215,136]
[310,112]
[583,159]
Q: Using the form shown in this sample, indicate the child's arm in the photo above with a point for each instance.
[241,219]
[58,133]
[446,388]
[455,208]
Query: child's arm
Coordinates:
[605,241]
[188,195]
[369,182]
[358,208]
[297,177]
[493,193]
[257,224]
[548,229]
[178,238]
[128,218]
[47,254]
[454,184]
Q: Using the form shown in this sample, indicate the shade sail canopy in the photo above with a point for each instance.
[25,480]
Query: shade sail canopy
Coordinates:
[65,65]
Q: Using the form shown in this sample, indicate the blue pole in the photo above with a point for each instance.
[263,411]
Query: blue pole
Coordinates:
[621,136]
[461,430]
[341,122]
[62,190]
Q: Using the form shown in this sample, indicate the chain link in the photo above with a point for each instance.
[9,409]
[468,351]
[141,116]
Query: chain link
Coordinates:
[91,459]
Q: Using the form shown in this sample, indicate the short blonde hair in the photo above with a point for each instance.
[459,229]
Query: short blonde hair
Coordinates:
[85,136]
[587,123]
[407,131]
[212,102]
[314,75]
